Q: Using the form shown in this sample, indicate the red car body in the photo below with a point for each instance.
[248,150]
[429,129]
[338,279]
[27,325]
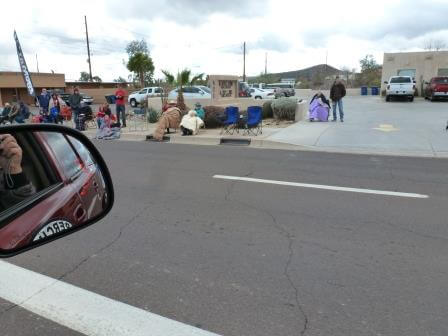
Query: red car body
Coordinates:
[67,204]
[437,88]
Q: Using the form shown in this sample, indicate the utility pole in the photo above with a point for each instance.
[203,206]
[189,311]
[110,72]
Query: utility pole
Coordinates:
[88,50]
[37,62]
[266,64]
[244,62]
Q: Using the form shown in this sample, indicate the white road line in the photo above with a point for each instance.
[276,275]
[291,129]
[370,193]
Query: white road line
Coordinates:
[319,186]
[81,310]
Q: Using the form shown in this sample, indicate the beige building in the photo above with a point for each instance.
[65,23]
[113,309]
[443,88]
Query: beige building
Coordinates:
[420,65]
[13,89]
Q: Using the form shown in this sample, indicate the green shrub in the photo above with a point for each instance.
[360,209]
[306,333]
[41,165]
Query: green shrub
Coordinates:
[214,116]
[153,115]
[267,110]
[284,108]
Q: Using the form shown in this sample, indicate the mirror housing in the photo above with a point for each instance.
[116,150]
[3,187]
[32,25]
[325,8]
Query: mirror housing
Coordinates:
[53,182]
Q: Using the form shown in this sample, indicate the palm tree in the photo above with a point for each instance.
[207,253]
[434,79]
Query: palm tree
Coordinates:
[182,79]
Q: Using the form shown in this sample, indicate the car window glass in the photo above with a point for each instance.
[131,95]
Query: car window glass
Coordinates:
[195,90]
[441,80]
[400,80]
[206,89]
[143,91]
[65,153]
[158,90]
[82,151]
[36,175]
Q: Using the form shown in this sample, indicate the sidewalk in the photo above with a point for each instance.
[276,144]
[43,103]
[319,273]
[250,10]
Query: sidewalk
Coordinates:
[371,127]
[375,127]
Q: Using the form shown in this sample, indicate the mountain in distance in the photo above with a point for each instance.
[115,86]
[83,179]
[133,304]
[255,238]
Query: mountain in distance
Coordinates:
[305,74]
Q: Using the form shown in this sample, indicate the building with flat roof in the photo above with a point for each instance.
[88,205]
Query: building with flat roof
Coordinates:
[422,66]
[13,88]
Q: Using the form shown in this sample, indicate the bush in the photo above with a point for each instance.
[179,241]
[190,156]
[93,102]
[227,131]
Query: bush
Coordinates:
[267,110]
[153,115]
[214,116]
[284,108]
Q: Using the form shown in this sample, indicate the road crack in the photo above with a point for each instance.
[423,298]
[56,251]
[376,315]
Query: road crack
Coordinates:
[290,237]
[82,262]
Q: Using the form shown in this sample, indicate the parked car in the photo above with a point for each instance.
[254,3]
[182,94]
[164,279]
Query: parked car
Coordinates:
[436,88]
[66,187]
[282,89]
[137,97]
[65,97]
[400,86]
[192,92]
[86,99]
[261,94]
[258,85]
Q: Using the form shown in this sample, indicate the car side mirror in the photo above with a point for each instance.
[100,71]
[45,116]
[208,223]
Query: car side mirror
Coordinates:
[53,182]
[386,82]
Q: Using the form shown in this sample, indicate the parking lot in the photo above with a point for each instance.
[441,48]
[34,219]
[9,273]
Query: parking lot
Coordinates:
[373,125]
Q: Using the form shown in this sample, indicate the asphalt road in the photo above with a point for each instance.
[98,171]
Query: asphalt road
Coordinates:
[240,258]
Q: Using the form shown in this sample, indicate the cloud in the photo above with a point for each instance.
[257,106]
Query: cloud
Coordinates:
[410,20]
[272,42]
[189,12]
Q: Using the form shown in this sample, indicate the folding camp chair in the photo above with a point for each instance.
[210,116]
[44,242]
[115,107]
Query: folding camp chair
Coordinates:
[231,122]
[254,123]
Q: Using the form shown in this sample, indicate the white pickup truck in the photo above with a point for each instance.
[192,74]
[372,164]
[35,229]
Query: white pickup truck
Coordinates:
[138,97]
[400,86]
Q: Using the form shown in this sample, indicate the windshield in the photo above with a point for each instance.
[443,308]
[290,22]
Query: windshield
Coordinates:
[206,89]
[400,80]
[441,80]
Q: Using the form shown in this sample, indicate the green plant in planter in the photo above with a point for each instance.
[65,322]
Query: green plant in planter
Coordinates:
[284,108]
[267,110]
[153,115]
[214,116]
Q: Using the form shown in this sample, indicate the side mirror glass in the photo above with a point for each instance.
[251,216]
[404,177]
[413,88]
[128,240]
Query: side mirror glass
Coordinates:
[53,182]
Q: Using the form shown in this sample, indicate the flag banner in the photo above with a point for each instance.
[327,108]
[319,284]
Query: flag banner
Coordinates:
[24,68]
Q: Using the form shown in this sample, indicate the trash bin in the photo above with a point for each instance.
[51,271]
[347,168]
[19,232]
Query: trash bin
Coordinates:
[110,99]
[364,91]
[375,90]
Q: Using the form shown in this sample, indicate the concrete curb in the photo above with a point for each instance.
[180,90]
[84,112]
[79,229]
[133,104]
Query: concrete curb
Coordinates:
[269,144]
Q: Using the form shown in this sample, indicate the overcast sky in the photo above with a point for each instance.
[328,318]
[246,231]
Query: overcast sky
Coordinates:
[207,35]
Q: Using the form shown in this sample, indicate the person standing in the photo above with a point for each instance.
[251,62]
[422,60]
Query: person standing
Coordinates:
[338,92]
[44,101]
[120,96]
[55,106]
[75,101]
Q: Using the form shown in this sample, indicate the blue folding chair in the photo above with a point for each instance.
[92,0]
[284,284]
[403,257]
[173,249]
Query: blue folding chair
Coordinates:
[254,123]
[232,118]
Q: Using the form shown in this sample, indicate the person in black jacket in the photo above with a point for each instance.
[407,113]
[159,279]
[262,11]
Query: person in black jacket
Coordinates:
[338,92]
